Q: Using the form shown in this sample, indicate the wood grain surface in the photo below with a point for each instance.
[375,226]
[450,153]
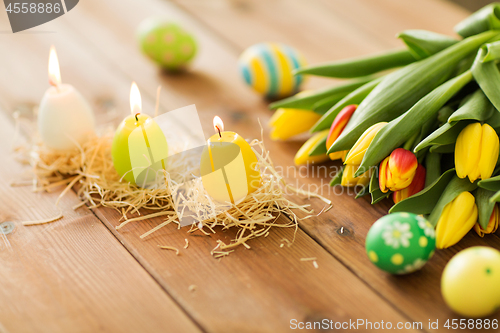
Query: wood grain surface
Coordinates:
[71,275]
[353,217]
[98,285]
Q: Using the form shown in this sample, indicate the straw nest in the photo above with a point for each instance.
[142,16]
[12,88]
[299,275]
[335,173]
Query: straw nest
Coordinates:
[89,172]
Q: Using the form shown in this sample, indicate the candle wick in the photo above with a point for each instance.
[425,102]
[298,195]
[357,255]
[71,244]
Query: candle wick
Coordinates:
[137,119]
[54,84]
[218,129]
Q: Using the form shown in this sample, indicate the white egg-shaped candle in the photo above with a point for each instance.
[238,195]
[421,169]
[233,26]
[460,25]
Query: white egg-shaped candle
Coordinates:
[65,118]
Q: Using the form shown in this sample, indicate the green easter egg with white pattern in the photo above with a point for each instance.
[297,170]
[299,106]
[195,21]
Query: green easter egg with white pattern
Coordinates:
[400,243]
[166,43]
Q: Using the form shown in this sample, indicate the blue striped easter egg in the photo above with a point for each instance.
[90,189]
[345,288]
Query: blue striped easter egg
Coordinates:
[267,68]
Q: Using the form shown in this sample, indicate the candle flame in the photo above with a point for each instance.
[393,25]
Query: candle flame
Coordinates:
[54,72]
[218,124]
[135,99]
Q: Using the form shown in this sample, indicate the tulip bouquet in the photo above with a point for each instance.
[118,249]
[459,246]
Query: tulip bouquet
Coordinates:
[420,125]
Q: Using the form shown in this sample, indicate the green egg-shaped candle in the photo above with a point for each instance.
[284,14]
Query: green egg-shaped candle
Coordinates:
[166,43]
[140,148]
[400,243]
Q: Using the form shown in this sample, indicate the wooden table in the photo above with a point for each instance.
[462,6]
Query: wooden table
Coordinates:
[81,275]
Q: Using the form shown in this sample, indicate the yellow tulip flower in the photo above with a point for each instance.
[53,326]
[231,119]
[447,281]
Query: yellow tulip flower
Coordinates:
[456,220]
[286,123]
[357,152]
[348,177]
[476,152]
[302,156]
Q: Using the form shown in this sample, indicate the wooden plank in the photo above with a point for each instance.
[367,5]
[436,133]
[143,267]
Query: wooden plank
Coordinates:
[417,295]
[472,5]
[261,289]
[324,30]
[258,290]
[302,24]
[431,302]
[384,19]
[71,275]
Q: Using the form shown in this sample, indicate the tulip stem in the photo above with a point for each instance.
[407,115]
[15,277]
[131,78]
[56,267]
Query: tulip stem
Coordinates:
[409,143]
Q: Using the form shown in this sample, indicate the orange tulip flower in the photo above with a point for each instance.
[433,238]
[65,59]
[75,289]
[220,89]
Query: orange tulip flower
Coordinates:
[492,224]
[338,126]
[397,170]
[417,185]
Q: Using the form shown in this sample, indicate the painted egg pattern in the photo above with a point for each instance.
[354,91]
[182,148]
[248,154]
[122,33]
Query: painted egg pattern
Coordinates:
[400,243]
[470,283]
[267,68]
[166,43]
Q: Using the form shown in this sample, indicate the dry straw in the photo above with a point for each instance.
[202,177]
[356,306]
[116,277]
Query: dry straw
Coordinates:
[89,171]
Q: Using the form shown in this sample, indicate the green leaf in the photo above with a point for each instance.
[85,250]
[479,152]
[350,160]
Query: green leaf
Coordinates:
[432,168]
[487,77]
[494,121]
[306,100]
[364,191]
[337,179]
[487,18]
[362,66]
[424,201]
[495,197]
[354,97]
[319,148]
[400,90]
[484,206]
[374,184]
[423,43]
[402,128]
[443,149]
[477,107]
[492,184]
[446,134]
[492,51]
[464,65]
[424,131]
[322,106]
[377,194]
[452,190]
[444,114]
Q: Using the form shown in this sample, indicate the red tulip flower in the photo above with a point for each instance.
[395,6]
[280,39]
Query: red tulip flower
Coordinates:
[338,126]
[397,170]
[417,185]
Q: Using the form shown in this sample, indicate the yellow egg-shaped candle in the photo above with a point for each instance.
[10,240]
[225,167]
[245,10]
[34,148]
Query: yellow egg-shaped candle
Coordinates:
[229,167]
[139,147]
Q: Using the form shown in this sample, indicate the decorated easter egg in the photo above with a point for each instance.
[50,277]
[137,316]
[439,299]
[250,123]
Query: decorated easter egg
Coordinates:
[267,68]
[166,43]
[470,283]
[400,243]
